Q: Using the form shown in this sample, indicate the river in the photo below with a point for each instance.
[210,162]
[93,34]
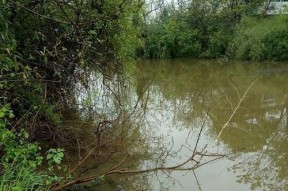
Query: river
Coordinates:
[162,109]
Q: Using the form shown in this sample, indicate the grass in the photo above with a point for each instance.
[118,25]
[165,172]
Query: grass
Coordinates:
[20,177]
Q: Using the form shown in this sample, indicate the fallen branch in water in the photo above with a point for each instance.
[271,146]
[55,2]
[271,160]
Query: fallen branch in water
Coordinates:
[236,108]
[75,168]
[191,163]
[124,171]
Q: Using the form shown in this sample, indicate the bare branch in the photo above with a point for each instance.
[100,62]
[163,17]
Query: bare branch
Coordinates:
[235,110]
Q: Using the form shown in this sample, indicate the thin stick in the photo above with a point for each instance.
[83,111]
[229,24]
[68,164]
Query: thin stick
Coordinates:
[235,110]
[75,168]
[198,183]
[34,118]
[235,90]
[202,126]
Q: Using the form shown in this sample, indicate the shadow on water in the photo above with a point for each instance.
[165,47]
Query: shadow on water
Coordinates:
[155,117]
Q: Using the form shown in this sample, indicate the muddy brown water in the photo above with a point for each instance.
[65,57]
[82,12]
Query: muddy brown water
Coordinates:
[170,100]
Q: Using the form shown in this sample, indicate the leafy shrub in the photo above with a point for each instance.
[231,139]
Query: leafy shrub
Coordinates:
[20,159]
[261,39]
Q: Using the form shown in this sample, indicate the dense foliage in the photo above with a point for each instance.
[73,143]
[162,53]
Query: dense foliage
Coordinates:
[45,47]
[214,29]
[261,39]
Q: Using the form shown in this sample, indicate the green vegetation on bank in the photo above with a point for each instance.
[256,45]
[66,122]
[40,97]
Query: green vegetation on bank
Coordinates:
[45,48]
[261,39]
[212,29]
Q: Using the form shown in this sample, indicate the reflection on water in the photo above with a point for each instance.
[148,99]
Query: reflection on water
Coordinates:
[255,137]
[164,106]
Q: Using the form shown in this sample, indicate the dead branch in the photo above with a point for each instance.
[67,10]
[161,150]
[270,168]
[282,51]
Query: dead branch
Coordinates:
[124,171]
[235,110]
[118,169]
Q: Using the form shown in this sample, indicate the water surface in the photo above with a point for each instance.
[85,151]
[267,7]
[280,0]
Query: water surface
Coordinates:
[255,138]
[169,101]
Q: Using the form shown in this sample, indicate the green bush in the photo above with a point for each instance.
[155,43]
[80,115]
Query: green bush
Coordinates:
[19,160]
[45,48]
[276,45]
[218,43]
[261,39]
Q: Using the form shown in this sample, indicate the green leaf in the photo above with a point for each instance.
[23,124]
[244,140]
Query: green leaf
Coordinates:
[26,135]
[61,155]
[2,114]
[11,115]
[57,160]
[49,156]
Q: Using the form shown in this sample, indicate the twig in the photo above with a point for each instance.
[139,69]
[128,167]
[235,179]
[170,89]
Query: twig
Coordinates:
[45,95]
[43,16]
[198,183]
[15,125]
[202,126]
[75,168]
[118,165]
[130,172]
[230,102]
[64,12]
[235,110]
[235,90]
